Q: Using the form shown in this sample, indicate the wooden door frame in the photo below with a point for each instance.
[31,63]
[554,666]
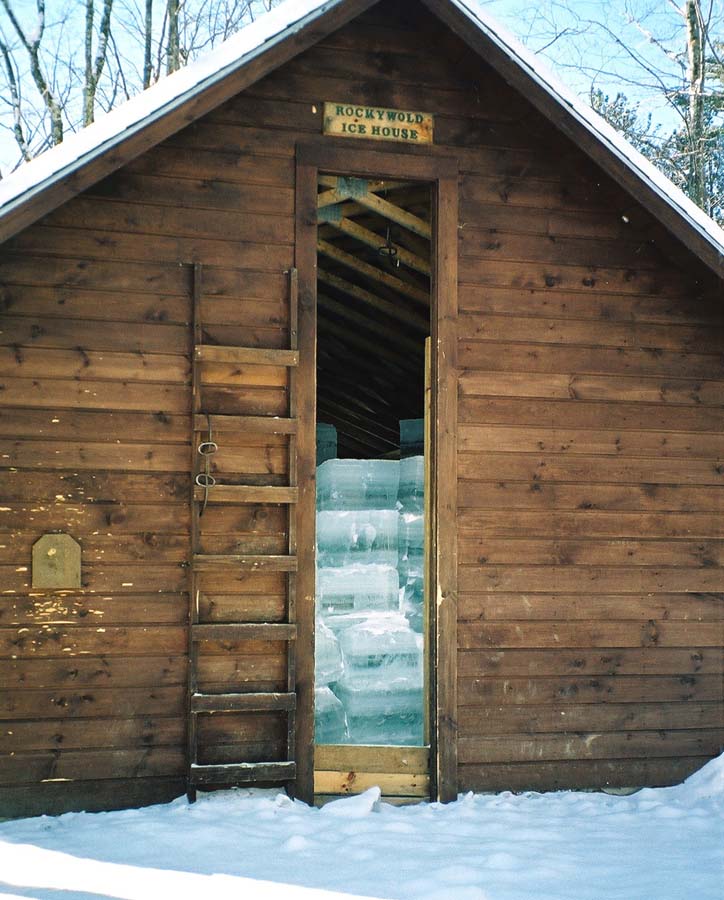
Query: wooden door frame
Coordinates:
[337,156]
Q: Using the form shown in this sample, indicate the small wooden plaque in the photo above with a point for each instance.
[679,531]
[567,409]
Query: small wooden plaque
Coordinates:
[56,562]
[377,123]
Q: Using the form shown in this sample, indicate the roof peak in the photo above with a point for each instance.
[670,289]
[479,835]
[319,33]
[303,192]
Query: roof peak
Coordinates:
[41,185]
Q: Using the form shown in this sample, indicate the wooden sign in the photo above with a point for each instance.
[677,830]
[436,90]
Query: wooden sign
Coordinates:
[56,562]
[377,123]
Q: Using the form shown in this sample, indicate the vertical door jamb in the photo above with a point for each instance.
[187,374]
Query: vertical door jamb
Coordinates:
[444,404]
[306,264]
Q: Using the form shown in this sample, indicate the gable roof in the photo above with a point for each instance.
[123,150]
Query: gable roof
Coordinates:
[84,158]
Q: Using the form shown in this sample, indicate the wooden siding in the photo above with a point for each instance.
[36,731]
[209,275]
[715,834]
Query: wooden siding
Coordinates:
[590,464]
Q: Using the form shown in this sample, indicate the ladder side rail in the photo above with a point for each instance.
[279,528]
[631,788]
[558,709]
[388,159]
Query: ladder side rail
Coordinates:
[193,648]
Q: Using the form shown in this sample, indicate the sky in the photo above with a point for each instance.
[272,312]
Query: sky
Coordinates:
[614,45]
[633,46]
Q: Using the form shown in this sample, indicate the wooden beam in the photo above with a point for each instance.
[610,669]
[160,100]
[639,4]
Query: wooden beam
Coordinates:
[338,354]
[396,214]
[357,413]
[363,437]
[334,387]
[375,274]
[345,359]
[350,337]
[378,328]
[367,197]
[366,394]
[413,242]
[371,239]
[338,193]
[409,317]
[362,434]
[352,208]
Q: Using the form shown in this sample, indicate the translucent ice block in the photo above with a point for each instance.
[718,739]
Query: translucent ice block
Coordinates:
[389,692]
[326,442]
[358,484]
[412,483]
[412,602]
[411,565]
[330,724]
[328,666]
[412,437]
[383,641]
[356,587]
[357,536]
[411,531]
[400,730]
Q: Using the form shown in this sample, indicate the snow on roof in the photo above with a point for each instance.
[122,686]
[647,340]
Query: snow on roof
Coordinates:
[170,92]
[616,143]
[274,27]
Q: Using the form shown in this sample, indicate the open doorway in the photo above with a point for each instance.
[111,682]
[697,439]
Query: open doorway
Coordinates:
[372,654]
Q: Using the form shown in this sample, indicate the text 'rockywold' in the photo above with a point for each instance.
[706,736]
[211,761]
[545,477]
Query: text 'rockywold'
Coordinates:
[377,123]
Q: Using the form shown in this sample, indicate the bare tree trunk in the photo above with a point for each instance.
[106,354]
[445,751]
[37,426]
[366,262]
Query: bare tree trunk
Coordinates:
[88,74]
[147,43]
[173,51]
[18,132]
[696,69]
[36,69]
[94,69]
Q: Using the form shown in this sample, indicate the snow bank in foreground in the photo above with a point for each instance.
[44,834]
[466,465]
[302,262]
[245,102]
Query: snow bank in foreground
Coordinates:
[661,843]
[707,783]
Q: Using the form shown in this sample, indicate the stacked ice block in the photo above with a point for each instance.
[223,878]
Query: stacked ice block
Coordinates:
[411,538]
[326,442]
[330,722]
[369,601]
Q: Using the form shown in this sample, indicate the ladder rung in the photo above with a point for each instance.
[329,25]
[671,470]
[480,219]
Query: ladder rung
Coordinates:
[241,773]
[203,562]
[244,631]
[259,356]
[258,702]
[248,493]
[257,424]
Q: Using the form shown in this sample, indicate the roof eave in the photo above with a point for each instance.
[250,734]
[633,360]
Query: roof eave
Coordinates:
[682,222]
[180,111]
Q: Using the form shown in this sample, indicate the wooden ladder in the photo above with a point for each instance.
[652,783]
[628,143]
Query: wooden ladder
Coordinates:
[207,427]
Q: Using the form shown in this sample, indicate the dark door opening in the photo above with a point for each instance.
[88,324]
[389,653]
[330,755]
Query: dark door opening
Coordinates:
[373,321]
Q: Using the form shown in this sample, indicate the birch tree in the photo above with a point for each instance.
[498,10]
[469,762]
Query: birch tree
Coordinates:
[94,67]
[51,83]
[31,42]
[653,69]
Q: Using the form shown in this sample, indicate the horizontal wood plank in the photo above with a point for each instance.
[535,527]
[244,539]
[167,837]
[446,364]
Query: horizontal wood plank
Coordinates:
[609,745]
[534,661]
[91,702]
[579,774]
[406,785]
[591,634]
[358,758]
[586,689]
[533,721]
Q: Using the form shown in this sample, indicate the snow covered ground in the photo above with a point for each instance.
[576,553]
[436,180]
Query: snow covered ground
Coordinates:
[663,844]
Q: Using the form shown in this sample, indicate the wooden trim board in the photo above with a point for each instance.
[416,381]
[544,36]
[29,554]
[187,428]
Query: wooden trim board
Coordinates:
[349,769]
[306,386]
[444,479]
